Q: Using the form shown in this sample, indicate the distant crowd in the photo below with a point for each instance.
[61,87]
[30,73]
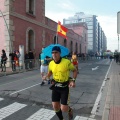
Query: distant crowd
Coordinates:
[30,58]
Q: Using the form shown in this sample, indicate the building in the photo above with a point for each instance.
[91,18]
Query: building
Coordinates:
[95,33]
[23,23]
[81,30]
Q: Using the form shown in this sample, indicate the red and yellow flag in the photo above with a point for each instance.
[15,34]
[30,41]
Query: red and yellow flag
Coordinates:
[61,30]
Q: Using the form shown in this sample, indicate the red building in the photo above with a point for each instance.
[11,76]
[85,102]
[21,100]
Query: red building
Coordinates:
[23,22]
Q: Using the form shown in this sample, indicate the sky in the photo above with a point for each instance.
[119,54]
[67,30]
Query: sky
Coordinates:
[105,10]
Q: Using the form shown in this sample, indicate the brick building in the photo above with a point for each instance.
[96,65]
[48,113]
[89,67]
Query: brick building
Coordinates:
[23,22]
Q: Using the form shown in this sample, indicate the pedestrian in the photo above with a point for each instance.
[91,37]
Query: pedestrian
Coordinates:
[110,58]
[12,55]
[74,61]
[60,69]
[34,54]
[16,58]
[3,61]
[44,67]
[26,61]
[31,59]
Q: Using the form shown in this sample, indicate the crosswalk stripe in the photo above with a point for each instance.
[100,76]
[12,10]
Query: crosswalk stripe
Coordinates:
[1,99]
[42,114]
[10,109]
[82,118]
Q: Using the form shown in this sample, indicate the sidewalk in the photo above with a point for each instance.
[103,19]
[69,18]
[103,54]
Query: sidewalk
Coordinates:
[112,104]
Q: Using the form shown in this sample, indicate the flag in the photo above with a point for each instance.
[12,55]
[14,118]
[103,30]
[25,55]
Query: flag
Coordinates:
[61,30]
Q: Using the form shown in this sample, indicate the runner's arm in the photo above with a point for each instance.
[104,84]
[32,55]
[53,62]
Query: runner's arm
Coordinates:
[48,75]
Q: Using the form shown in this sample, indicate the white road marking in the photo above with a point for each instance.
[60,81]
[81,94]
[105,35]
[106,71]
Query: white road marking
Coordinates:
[42,114]
[10,109]
[25,89]
[1,99]
[82,118]
[93,112]
[95,68]
[46,114]
[19,80]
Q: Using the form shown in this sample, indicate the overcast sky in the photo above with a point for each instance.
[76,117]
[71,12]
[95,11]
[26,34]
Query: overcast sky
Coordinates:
[106,10]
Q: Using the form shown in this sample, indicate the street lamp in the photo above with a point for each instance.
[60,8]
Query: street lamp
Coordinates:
[118,27]
[118,42]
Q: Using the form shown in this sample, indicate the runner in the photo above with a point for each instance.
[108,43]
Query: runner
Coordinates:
[60,68]
[74,61]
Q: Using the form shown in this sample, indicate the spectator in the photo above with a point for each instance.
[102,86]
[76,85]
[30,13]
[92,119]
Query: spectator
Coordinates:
[16,58]
[3,61]
[12,55]
[111,58]
[26,60]
[31,58]
[34,54]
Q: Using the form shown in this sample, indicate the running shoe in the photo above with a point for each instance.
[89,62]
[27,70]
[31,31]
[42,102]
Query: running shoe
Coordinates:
[70,114]
[42,83]
[48,81]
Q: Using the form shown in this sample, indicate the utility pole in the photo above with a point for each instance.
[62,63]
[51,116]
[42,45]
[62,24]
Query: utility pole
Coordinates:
[118,27]
[118,42]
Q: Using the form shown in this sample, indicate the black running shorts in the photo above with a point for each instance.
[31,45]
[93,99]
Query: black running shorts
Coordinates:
[60,94]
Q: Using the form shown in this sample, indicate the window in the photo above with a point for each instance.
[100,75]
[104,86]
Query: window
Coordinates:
[90,27]
[65,42]
[90,31]
[90,35]
[30,6]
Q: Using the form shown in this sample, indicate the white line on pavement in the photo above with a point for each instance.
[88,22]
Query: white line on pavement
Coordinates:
[1,99]
[10,109]
[93,112]
[25,89]
[19,80]
[82,118]
[95,68]
[42,114]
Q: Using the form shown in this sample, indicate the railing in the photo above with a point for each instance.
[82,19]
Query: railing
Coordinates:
[19,66]
[27,65]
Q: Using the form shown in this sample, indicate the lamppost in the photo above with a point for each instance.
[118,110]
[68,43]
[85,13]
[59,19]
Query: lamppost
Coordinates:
[118,27]
[118,42]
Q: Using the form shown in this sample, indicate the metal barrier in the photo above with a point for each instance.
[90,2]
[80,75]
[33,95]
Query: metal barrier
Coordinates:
[27,65]
[19,66]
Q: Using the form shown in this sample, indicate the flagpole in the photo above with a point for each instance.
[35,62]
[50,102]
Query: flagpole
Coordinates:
[56,38]
[57,35]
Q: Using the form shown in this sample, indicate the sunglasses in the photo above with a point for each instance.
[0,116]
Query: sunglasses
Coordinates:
[54,52]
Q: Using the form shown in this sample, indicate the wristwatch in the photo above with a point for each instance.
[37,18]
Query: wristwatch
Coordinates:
[73,79]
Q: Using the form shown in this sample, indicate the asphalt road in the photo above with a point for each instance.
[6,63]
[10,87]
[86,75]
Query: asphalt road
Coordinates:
[24,91]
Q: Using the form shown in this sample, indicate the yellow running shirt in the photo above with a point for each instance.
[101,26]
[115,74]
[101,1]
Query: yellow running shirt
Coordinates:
[61,71]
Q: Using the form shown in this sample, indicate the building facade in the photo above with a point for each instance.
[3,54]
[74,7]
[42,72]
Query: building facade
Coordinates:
[95,39]
[81,30]
[23,22]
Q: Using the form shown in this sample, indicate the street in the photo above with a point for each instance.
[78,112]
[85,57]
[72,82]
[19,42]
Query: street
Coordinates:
[22,97]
